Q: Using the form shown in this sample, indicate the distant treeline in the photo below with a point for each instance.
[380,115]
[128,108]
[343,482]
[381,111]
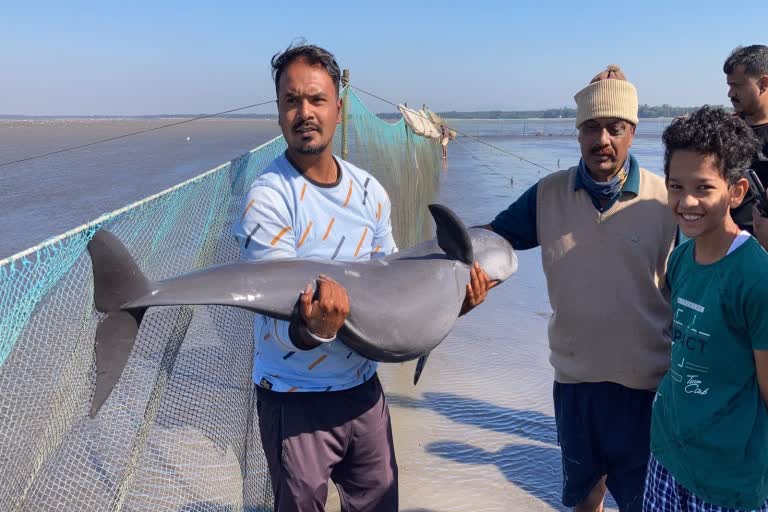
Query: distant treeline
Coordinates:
[148,116]
[644,111]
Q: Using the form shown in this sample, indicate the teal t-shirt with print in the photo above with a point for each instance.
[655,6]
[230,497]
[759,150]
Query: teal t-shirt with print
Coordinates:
[710,425]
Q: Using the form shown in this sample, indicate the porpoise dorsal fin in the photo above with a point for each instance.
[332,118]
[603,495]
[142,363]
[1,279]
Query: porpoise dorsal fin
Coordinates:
[452,235]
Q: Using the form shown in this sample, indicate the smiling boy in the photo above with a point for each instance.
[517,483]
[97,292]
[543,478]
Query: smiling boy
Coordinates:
[709,433]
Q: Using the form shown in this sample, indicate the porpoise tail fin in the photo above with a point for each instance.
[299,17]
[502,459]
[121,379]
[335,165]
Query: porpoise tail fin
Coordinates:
[117,280]
[115,336]
[420,364]
[452,235]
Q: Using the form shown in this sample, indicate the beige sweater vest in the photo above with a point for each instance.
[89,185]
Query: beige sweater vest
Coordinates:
[605,274]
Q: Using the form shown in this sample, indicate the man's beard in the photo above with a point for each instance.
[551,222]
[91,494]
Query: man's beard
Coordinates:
[310,149]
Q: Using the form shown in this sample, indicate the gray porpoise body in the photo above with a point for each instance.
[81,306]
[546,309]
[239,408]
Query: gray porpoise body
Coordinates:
[401,306]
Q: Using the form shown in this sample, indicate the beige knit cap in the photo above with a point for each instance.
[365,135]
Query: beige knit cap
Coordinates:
[609,94]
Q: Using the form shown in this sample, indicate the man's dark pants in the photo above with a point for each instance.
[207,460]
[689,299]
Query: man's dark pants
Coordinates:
[603,429]
[342,435]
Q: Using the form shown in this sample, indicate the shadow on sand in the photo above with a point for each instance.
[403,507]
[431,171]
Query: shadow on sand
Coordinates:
[534,468]
[478,413]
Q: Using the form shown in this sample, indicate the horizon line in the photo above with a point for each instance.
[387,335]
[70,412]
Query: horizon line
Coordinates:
[274,115]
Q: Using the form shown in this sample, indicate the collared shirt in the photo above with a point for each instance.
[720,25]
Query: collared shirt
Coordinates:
[518,222]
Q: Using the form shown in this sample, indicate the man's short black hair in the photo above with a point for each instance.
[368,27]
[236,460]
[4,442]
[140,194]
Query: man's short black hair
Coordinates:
[314,55]
[714,132]
[754,58]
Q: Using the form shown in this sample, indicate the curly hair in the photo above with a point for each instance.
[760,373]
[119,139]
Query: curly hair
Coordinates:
[313,55]
[712,131]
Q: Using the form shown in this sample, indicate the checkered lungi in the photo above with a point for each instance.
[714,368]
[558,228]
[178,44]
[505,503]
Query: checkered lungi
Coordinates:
[664,494]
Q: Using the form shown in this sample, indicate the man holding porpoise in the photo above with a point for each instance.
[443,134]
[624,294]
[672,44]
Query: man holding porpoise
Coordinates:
[322,411]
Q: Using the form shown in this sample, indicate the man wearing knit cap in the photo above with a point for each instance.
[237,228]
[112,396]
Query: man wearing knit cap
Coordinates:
[605,233]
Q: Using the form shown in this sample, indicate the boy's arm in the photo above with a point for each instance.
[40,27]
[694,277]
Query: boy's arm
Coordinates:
[756,299]
[761,366]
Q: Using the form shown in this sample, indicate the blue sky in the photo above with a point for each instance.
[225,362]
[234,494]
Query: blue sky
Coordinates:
[187,56]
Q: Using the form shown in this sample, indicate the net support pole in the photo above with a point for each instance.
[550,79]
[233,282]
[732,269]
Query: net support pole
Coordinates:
[344,120]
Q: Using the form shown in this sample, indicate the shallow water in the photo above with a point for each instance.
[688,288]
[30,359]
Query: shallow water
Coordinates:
[48,196]
[477,433]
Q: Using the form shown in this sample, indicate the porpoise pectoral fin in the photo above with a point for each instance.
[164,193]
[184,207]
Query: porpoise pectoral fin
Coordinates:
[117,280]
[452,235]
[420,364]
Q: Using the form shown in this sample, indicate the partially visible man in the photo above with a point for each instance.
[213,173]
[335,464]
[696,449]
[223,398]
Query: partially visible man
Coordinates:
[746,70]
[605,234]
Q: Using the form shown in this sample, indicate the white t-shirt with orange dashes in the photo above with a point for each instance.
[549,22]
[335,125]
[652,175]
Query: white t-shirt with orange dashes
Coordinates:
[287,215]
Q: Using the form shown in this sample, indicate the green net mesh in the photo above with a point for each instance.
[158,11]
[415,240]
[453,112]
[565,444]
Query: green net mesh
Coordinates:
[179,431]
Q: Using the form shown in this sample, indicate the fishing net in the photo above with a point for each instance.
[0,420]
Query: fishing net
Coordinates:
[179,431]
